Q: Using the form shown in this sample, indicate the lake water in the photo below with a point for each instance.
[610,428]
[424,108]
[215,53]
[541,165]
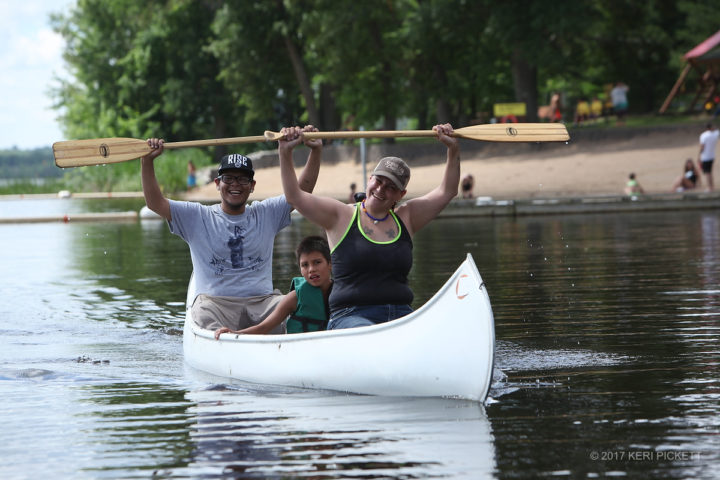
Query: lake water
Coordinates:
[608,358]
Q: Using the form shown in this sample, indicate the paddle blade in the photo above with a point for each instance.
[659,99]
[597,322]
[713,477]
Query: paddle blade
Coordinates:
[98,151]
[515,132]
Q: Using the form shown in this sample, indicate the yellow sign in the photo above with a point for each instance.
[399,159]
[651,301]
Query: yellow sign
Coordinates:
[501,109]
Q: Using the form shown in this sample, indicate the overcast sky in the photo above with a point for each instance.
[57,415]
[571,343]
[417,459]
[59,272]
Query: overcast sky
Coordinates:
[30,57]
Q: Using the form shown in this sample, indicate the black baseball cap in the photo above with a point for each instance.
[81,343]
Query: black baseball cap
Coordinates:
[236,161]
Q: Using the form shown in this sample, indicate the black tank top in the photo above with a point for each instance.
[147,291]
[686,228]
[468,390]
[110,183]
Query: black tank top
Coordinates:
[367,272]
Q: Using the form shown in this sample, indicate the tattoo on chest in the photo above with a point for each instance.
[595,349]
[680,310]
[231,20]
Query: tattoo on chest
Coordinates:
[390,233]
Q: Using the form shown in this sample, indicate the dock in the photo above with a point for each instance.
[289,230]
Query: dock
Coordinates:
[476,207]
[488,207]
[74,217]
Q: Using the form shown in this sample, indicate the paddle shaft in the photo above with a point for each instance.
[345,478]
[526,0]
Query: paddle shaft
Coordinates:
[212,142]
[371,134]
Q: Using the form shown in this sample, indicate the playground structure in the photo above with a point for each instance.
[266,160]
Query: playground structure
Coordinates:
[705,60]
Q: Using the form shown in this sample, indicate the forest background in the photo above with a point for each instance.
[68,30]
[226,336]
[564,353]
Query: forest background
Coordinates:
[195,69]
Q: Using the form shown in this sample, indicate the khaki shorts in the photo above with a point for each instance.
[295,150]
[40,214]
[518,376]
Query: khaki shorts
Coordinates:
[236,313]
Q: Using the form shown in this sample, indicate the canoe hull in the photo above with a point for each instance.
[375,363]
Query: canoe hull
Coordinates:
[445,348]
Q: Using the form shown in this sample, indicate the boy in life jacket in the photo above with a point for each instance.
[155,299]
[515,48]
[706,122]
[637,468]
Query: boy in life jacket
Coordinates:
[306,304]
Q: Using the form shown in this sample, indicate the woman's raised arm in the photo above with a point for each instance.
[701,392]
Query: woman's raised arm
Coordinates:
[418,212]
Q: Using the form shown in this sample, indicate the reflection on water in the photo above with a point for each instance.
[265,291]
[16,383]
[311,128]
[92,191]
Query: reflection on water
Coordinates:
[607,329]
[298,433]
[133,417]
[129,429]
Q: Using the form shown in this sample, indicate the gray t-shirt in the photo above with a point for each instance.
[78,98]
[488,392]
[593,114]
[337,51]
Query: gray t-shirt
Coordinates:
[231,254]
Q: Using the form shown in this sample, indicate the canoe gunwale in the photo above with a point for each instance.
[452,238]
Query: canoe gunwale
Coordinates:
[305,336]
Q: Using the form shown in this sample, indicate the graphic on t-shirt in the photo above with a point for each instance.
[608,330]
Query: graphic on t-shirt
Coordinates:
[236,247]
[218,264]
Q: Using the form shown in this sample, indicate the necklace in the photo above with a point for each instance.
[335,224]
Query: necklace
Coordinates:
[375,220]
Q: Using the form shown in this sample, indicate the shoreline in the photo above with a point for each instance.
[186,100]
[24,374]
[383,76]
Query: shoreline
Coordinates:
[596,162]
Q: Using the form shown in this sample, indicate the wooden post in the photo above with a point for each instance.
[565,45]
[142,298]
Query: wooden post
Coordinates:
[675,88]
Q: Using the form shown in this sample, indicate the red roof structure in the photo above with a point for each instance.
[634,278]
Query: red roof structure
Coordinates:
[707,50]
[704,59]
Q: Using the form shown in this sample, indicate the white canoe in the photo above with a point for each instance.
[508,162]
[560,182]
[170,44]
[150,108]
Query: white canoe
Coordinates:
[446,348]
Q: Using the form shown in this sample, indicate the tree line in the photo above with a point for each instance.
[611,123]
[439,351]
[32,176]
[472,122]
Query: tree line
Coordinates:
[193,69]
[34,163]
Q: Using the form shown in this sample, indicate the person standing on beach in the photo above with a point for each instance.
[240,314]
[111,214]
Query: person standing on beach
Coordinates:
[191,177]
[618,95]
[706,156]
[231,243]
[555,108]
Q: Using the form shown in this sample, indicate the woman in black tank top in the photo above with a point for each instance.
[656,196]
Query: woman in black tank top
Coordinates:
[689,178]
[371,241]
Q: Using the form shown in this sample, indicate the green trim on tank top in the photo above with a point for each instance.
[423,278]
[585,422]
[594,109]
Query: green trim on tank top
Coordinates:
[356,217]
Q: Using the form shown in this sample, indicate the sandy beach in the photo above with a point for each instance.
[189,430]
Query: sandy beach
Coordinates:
[594,162]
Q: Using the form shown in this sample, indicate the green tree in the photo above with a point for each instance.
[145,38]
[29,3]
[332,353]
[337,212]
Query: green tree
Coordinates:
[355,48]
[142,69]
[453,71]
[541,40]
[634,41]
[253,42]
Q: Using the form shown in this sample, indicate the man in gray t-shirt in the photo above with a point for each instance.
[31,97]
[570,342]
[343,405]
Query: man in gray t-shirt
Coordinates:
[231,243]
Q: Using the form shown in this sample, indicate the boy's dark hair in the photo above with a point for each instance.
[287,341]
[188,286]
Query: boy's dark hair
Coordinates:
[313,243]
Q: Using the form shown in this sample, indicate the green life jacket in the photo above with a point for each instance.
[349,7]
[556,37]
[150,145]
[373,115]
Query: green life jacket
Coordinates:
[312,312]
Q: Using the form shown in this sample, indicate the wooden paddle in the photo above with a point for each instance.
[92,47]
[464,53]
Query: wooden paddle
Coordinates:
[496,132]
[79,153]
